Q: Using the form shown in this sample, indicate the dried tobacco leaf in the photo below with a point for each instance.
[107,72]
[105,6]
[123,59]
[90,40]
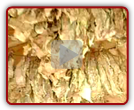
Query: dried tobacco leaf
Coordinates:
[86,92]
[39,28]
[20,11]
[10,67]
[22,30]
[20,72]
[12,12]
[103,75]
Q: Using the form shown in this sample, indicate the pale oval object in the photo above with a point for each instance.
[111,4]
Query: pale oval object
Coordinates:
[39,28]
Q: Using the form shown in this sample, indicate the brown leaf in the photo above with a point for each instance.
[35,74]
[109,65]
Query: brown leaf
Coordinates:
[20,73]
[10,67]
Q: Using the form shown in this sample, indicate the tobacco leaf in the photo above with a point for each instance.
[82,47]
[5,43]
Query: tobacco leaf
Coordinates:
[103,75]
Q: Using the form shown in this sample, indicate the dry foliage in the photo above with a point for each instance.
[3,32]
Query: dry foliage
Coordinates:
[102,78]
